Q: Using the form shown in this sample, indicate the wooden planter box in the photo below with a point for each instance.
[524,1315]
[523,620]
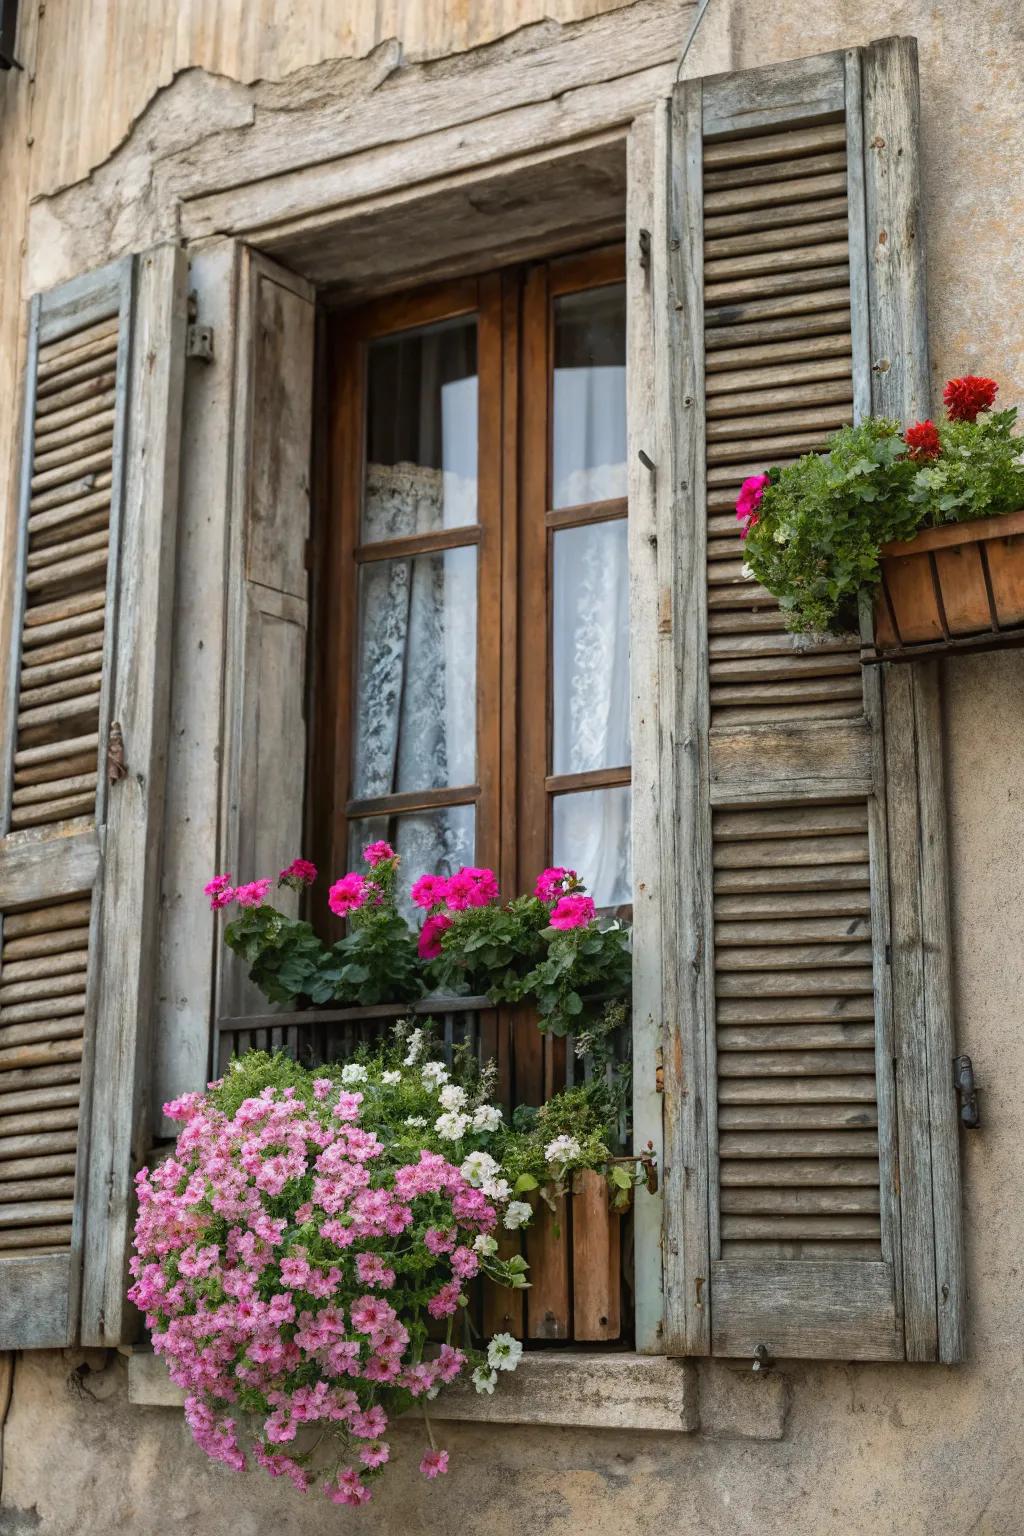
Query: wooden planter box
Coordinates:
[575,1259]
[955,588]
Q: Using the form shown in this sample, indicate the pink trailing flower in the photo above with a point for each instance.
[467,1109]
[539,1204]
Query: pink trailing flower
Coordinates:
[470,887]
[429,891]
[219,891]
[299,874]
[749,500]
[254,894]
[572,912]
[555,882]
[348,894]
[348,1489]
[434,1463]
[280,1329]
[429,942]
[378,853]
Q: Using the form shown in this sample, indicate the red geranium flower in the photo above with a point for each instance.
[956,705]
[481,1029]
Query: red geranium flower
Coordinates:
[964,398]
[923,440]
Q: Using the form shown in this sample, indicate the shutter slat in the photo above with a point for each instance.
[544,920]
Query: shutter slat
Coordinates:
[822,1228]
[792,1063]
[807,1142]
[800,1202]
[795,1037]
[752,222]
[14,1169]
[796,1172]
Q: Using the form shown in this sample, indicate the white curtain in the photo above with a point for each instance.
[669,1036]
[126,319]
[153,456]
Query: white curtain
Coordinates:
[589,440]
[590,718]
[416,679]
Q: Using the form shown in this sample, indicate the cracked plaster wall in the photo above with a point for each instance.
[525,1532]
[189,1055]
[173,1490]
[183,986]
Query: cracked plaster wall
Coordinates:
[917,1450]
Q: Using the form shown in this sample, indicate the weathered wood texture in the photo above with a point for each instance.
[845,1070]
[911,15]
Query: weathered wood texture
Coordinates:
[682,618]
[646,210]
[140,694]
[904,705]
[266,659]
[808,846]
[57,710]
[184,1005]
[267,40]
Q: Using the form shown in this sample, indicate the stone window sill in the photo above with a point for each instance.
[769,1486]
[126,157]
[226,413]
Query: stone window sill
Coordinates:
[573,1388]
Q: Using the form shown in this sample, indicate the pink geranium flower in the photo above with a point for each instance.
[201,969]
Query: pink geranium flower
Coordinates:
[348,894]
[471,888]
[554,883]
[219,891]
[434,1463]
[572,912]
[429,943]
[299,873]
[252,895]
[378,853]
[748,502]
[429,891]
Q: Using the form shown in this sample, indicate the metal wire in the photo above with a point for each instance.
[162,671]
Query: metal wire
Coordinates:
[702,6]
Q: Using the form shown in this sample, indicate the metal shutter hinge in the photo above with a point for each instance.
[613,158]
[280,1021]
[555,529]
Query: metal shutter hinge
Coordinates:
[967,1093]
[198,338]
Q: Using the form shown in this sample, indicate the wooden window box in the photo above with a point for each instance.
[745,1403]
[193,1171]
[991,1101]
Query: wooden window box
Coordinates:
[955,588]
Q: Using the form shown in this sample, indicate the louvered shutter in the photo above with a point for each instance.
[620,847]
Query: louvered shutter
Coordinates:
[90,585]
[266,746]
[812,1191]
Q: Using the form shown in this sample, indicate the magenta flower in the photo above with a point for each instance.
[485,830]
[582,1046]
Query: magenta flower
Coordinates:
[378,853]
[219,891]
[429,943]
[572,912]
[252,895]
[748,502]
[300,873]
[429,891]
[471,888]
[554,883]
[348,894]
[434,1463]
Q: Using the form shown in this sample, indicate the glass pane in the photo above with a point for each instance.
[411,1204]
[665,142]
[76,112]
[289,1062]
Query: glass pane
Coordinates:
[430,842]
[415,700]
[589,430]
[590,834]
[421,444]
[590,728]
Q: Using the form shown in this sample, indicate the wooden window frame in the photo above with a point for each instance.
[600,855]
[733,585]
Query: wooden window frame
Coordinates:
[538,523]
[350,336]
[514,787]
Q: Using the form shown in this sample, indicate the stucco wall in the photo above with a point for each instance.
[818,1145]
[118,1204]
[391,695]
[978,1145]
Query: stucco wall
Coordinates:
[920,1450]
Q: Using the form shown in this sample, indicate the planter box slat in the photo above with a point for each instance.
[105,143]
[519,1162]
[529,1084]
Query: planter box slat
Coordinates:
[958,587]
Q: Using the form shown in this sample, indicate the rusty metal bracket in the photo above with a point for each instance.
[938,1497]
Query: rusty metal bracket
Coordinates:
[116,768]
[967,1093]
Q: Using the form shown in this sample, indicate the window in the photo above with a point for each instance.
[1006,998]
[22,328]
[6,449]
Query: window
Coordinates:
[476,708]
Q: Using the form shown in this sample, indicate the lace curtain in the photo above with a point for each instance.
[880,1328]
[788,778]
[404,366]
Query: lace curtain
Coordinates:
[416,681]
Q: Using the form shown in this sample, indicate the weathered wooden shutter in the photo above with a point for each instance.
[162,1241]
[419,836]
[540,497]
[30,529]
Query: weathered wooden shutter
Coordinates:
[267,656]
[812,1187]
[90,584]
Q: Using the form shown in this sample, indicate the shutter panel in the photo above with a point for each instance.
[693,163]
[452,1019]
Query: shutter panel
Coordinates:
[267,670]
[96,529]
[800,1158]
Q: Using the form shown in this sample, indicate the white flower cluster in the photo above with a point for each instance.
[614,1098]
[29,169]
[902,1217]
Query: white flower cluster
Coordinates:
[434,1074]
[504,1352]
[353,1073]
[391,1078]
[480,1170]
[415,1046]
[564,1149]
[517,1214]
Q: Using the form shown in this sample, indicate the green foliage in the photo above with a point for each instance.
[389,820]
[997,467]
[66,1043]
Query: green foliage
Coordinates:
[979,472]
[375,963]
[490,949]
[284,955]
[512,954]
[822,520]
